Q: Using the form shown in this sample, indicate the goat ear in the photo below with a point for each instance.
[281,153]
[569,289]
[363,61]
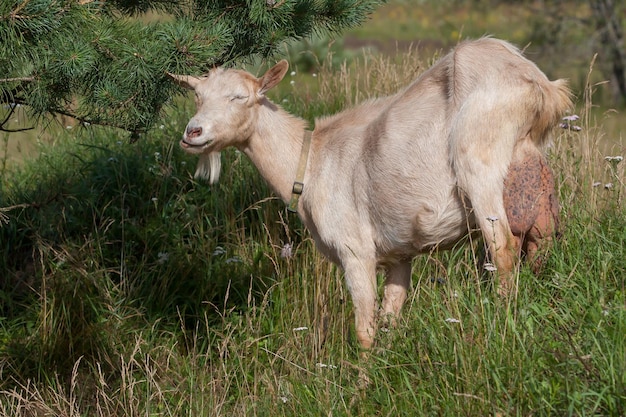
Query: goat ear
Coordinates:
[273,76]
[186,81]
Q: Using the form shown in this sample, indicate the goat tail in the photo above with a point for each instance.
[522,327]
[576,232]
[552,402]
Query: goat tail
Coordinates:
[555,99]
[209,167]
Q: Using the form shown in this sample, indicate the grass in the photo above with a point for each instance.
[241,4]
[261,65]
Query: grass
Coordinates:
[131,289]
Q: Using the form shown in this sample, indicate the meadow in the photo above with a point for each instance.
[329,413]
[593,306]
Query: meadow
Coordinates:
[130,289]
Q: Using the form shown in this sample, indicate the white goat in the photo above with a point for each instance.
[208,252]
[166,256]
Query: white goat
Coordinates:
[399,175]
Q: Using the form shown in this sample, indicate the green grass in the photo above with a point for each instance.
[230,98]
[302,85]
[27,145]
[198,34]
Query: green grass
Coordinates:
[129,289]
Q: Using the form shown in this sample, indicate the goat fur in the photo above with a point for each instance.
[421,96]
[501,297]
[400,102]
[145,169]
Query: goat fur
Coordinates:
[404,174]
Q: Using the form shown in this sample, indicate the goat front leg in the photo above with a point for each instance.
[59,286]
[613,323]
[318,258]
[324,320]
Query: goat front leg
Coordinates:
[361,282]
[396,286]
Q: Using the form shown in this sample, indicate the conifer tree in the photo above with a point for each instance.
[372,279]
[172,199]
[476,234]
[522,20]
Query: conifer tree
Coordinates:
[104,62]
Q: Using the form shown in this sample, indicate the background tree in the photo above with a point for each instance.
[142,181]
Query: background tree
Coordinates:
[608,16]
[596,24]
[104,62]
[558,21]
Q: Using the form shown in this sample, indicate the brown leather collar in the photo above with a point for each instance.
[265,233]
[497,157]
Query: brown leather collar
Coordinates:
[298,184]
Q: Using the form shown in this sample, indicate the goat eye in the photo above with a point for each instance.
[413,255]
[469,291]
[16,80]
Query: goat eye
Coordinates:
[238,97]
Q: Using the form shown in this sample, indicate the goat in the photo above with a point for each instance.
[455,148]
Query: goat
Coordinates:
[400,175]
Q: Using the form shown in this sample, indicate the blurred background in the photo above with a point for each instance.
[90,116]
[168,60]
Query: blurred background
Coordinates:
[579,40]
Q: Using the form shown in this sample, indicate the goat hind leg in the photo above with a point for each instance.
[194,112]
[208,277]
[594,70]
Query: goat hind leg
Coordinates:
[490,214]
[487,205]
[504,249]
[482,141]
[396,286]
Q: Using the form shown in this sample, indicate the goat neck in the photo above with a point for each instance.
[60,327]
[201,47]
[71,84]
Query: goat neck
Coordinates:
[275,147]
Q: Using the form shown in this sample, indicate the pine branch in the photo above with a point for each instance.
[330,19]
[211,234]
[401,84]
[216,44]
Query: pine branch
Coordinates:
[6,120]
[95,62]
[15,13]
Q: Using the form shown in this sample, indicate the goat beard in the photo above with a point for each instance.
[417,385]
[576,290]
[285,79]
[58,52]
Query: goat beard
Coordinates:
[209,166]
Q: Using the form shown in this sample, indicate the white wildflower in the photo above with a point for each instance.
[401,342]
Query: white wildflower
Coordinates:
[490,267]
[286,251]
[452,320]
[233,260]
[219,251]
[163,257]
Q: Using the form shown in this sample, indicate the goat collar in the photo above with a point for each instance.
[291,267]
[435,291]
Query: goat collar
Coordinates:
[298,184]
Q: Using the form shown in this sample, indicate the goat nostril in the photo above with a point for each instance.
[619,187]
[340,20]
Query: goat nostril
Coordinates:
[193,132]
